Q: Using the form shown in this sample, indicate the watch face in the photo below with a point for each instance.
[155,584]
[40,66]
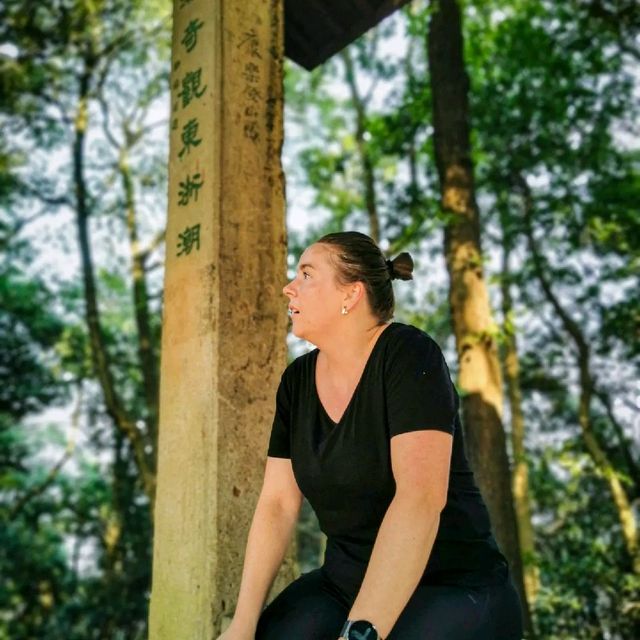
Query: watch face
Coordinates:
[362,630]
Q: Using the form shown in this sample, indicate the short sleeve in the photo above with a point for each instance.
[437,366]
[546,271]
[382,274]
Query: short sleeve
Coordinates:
[418,387]
[279,442]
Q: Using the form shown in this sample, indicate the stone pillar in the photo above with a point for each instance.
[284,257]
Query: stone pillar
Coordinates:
[224,317]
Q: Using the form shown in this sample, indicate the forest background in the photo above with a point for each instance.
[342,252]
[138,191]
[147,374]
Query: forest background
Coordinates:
[554,92]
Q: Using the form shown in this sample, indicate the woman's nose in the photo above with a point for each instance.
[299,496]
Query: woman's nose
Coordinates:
[287,289]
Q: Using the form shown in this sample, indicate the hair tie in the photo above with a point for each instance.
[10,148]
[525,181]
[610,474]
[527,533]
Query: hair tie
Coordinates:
[389,264]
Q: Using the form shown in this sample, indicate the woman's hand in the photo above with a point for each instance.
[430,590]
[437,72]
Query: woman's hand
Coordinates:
[237,632]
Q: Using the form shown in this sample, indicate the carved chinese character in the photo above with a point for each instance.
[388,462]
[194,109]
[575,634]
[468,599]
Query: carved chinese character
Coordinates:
[191,87]
[188,189]
[251,72]
[251,130]
[190,37]
[189,239]
[251,39]
[253,94]
[189,136]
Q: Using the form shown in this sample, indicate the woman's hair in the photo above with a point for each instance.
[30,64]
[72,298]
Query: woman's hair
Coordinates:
[357,258]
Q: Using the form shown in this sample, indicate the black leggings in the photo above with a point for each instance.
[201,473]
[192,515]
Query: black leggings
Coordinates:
[312,608]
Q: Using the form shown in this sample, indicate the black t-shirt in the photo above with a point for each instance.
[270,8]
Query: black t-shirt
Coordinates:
[344,470]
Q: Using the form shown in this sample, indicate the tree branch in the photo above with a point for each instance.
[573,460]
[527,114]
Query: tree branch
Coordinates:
[53,472]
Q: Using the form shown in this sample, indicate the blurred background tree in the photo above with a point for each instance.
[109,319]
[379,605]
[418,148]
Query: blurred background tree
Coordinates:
[82,227]
[554,142]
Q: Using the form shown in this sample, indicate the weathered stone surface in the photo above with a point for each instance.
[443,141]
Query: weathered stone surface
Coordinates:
[224,322]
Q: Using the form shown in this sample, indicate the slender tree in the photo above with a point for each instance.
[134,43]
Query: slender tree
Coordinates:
[77,55]
[511,369]
[364,153]
[473,324]
[587,386]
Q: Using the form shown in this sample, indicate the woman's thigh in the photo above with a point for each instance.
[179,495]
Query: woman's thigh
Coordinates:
[442,612]
[307,608]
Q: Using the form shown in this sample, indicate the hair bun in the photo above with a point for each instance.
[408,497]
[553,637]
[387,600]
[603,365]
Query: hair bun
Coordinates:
[401,267]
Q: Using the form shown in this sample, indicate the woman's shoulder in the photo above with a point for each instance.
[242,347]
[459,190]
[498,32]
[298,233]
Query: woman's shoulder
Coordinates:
[299,365]
[409,348]
[409,336]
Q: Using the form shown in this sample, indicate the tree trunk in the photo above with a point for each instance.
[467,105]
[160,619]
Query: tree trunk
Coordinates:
[473,325]
[146,339]
[99,354]
[625,448]
[368,175]
[416,205]
[520,480]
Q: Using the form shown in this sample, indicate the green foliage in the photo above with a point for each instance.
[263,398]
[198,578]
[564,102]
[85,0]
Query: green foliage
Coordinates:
[53,508]
[75,531]
[57,549]
[27,329]
[583,589]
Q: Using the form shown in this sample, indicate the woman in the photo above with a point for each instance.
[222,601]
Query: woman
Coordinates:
[367,428]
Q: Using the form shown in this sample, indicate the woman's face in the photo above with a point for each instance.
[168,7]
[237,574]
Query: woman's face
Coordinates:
[315,298]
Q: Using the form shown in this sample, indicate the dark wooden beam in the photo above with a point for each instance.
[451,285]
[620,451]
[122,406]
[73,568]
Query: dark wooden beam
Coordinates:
[315,30]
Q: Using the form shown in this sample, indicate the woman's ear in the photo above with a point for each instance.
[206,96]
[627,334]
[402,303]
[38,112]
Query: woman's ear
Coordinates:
[354,293]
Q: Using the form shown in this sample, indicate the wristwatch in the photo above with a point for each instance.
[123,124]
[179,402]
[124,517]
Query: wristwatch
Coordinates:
[359,630]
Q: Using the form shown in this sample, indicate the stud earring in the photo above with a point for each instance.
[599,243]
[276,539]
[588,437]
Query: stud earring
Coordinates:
[344,311]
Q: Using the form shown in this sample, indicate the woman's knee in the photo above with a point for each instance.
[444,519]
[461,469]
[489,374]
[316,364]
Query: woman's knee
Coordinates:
[441,612]
[304,609]
[506,613]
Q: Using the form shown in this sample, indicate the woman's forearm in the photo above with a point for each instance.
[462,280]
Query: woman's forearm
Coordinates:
[271,530]
[398,560]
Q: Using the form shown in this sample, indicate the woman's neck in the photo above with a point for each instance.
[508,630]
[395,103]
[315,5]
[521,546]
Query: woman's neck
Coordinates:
[341,354]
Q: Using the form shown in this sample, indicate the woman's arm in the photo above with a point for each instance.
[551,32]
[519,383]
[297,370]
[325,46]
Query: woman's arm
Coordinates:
[420,462]
[272,528]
